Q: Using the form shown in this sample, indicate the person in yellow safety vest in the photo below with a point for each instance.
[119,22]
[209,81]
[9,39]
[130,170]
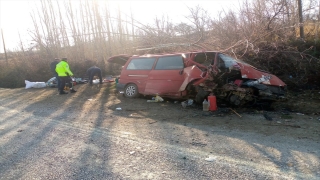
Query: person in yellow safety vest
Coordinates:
[64,73]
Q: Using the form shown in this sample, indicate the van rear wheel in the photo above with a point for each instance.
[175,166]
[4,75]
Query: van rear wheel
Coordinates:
[131,91]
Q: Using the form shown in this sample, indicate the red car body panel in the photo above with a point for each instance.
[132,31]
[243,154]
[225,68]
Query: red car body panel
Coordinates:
[191,73]
[140,78]
[250,72]
[167,83]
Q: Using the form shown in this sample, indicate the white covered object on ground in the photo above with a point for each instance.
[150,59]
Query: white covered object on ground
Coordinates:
[34,84]
[50,81]
[95,81]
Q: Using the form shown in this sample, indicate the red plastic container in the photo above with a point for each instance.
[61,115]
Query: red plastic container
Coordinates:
[213,102]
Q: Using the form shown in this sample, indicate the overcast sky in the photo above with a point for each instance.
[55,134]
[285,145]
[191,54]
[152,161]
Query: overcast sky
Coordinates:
[15,14]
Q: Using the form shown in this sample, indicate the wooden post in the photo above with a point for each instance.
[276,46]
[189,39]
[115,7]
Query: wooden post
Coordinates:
[300,19]
[4,46]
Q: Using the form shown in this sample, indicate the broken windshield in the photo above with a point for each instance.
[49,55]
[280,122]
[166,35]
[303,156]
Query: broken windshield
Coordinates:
[206,58]
[227,61]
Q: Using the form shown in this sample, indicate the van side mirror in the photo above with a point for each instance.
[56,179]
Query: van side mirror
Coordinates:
[181,72]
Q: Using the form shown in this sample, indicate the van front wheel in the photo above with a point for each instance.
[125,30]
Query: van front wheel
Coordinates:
[201,95]
[131,91]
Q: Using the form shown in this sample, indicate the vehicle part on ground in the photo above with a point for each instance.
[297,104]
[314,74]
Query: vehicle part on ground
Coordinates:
[131,91]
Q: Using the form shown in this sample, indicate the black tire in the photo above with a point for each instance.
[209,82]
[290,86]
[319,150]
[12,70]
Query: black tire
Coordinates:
[234,100]
[131,91]
[201,95]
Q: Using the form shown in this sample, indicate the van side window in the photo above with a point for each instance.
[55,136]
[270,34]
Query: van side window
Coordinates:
[141,64]
[171,62]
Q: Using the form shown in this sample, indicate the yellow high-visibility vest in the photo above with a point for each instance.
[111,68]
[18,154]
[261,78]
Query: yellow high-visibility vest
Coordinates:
[63,69]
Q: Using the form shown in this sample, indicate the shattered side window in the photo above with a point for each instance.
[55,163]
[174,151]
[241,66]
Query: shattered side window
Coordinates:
[171,62]
[141,64]
[227,60]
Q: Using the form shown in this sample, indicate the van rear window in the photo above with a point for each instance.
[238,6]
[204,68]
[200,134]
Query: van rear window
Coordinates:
[171,62]
[141,64]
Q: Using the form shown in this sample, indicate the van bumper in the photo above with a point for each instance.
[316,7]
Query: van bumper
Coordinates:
[120,87]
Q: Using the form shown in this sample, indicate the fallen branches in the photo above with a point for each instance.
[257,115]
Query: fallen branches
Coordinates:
[235,112]
[289,125]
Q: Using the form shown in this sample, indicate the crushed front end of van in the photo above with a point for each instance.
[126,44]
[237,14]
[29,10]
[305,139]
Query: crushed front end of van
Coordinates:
[231,80]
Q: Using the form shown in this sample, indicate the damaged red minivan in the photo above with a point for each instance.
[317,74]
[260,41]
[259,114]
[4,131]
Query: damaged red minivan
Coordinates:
[194,75]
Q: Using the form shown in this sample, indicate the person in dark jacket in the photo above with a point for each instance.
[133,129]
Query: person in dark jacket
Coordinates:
[53,70]
[92,71]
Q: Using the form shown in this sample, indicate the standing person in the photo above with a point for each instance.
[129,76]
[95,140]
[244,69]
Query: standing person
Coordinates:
[94,70]
[53,70]
[64,74]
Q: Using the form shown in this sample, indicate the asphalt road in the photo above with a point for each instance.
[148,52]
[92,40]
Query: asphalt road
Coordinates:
[37,145]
